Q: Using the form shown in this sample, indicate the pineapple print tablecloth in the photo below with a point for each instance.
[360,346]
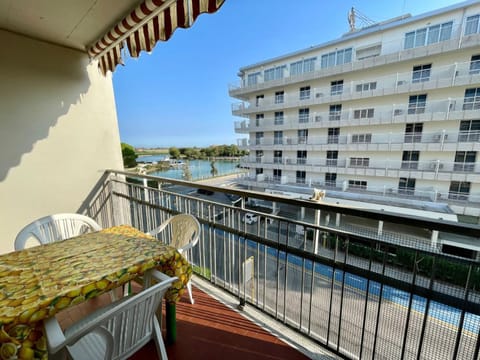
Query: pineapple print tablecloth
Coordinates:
[38,282]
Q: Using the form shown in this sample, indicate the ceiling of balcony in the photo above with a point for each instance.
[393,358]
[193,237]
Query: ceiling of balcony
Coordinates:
[75,24]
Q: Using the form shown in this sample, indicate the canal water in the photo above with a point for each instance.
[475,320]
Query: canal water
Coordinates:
[200,169]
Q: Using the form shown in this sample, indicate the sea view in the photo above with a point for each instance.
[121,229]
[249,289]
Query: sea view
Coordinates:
[200,169]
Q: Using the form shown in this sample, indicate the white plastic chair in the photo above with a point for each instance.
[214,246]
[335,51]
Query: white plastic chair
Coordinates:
[181,231]
[115,331]
[55,228]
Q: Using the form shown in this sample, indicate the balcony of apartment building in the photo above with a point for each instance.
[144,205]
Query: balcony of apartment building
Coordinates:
[419,78]
[443,140]
[415,108]
[386,53]
[356,283]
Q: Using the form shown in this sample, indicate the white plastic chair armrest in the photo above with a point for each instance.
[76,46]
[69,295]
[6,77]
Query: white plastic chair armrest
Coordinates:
[159,229]
[55,337]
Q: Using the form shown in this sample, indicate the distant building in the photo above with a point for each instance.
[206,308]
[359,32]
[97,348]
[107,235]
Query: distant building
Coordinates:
[388,113]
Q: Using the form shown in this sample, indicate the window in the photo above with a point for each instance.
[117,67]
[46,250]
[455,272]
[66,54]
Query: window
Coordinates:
[335,112]
[252,79]
[338,57]
[469,131]
[336,87]
[302,136]
[361,138]
[471,100]
[279,97]
[258,120]
[427,36]
[305,92]
[277,157]
[413,132]
[416,104]
[331,179]
[465,160]
[459,190]
[302,157]
[475,65]
[406,186]
[366,86]
[258,156]
[333,135]
[258,100]
[278,118]
[301,176]
[277,137]
[363,114]
[359,162]
[410,159]
[357,184]
[369,51]
[258,137]
[421,73]
[302,66]
[332,158]
[303,115]
[275,73]
[258,171]
[471,25]
[277,175]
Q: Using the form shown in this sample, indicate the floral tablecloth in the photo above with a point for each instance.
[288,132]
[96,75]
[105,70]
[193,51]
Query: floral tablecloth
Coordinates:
[38,282]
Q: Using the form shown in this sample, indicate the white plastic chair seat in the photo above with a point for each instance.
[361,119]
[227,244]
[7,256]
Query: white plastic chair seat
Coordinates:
[115,331]
[55,227]
[183,232]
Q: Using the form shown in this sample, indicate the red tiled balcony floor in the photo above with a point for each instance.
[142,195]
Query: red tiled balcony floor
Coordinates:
[207,330]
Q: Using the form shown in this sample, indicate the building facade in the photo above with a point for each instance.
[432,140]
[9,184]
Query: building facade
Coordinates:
[386,113]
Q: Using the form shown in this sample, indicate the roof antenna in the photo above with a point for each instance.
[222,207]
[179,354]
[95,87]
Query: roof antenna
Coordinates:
[351,19]
[354,15]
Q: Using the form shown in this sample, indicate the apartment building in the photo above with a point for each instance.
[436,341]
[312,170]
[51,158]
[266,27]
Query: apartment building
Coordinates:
[388,113]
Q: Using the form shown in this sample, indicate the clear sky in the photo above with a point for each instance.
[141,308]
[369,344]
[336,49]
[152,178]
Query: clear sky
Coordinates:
[178,95]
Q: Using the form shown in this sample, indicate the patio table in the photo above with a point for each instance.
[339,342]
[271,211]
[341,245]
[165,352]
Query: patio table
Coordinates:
[38,282]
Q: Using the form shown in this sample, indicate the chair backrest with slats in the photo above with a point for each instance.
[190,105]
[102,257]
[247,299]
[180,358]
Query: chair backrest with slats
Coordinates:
[55,228]
[131,323]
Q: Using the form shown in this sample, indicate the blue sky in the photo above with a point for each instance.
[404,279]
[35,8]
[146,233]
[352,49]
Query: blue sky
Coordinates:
[178,95]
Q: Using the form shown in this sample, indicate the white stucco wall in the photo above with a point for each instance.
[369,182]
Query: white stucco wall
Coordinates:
[58,131]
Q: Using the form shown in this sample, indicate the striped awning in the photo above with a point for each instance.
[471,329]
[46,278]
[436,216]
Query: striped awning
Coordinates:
[151,21]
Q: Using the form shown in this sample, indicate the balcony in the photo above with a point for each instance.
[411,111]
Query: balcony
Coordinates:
[395,84]
[437,110]
[392,52]
[351,286]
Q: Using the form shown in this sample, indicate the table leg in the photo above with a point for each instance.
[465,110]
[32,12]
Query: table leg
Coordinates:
[171,322]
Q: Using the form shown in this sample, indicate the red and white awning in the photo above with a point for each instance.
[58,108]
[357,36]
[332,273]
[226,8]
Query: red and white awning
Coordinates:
[151,21]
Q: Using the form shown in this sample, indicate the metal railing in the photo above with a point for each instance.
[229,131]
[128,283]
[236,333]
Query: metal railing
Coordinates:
[360,294]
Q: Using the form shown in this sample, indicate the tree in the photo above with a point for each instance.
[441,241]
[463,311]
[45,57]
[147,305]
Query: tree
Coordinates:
[174,152]
[213,169]
[129,155]
[187,175]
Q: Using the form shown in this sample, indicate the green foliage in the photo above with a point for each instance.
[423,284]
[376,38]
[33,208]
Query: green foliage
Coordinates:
[129,155]
[174,152]
[187,175]
[213,169]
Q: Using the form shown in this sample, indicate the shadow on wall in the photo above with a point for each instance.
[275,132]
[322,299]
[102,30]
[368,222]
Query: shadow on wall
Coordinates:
[39,83]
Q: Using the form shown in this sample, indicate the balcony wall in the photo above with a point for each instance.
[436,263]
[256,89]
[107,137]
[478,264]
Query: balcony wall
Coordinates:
[58,128]
[395,84]
[392,54]
[328,275]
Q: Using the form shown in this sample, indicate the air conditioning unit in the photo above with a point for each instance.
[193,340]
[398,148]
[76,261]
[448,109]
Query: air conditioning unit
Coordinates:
[401,82]
[289,141]
[397,112]
[437,137]
[318,118]
[317,95]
